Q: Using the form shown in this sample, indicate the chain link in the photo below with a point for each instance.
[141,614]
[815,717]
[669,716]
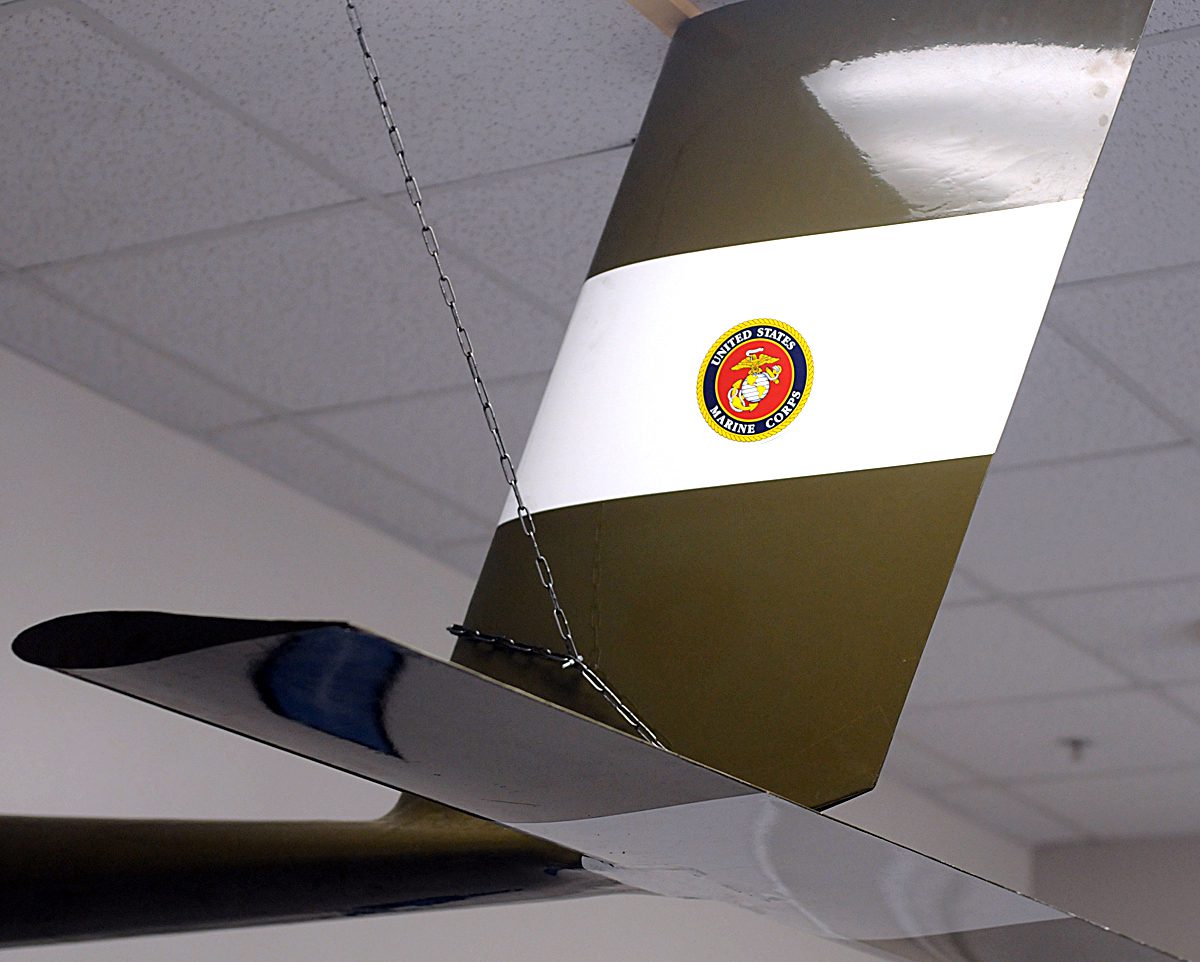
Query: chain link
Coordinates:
[572,659]
[505,643]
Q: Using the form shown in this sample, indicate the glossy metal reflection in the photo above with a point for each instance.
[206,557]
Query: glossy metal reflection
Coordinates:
[639,815]
[772,120]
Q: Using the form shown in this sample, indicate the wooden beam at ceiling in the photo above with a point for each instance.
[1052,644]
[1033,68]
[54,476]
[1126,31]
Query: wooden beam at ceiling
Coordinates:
[667,15]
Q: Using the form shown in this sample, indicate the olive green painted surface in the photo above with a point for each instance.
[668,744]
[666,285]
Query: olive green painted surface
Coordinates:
[768,630]
[65,879]
[772,630]
[734,148]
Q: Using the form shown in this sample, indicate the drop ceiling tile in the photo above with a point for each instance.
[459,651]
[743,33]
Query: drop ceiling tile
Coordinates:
[76,346]
[349,484]
[1122,519]
[540,227]
[1146,328]
[1187,696]
[1068,407]
[1172,15]
[962,590]
[1144,200]
[475,87]
[99,150]
[1020,739]
[987,651]
[1125,804]
[329,309]
[1150,631]
[464,556]
[439,438]
[913,765]
[1010,815]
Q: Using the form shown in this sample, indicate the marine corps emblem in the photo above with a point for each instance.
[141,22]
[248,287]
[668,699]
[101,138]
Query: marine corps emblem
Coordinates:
[754,380]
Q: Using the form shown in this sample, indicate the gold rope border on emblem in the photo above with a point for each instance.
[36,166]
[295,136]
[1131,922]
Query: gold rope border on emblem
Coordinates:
[808,378]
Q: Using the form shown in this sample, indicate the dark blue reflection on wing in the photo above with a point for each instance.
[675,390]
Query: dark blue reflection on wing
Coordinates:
[332,679]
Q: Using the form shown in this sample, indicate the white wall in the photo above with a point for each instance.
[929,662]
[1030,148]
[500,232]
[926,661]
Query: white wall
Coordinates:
[1147,888]
[100,508]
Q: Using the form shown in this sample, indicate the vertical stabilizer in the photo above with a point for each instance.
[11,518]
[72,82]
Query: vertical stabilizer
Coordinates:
[784,379]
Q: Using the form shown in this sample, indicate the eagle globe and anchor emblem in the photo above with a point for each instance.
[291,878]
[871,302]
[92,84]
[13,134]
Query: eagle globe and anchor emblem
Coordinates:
[754,380]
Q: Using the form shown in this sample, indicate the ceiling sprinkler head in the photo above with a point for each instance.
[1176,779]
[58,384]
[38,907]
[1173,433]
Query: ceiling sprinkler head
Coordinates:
[1076,745]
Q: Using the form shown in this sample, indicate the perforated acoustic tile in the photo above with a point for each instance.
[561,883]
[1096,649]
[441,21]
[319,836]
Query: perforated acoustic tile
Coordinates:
[961,590]
[1019,740]
[349,483]
[438,436]
[1115,520]
[1186,696]
[1011,815]
[1068,407]
[101,150]
[464,556]
[340,307]
[1128,804]
[540,227]
[476,87]
[64,339]
[1152,632]
[1146,328]
[986,651]
[913,765]
[1172,15]
[1142,206]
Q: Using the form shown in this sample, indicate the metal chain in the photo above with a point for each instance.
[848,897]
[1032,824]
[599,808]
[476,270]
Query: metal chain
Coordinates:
[573,657]
[504,643]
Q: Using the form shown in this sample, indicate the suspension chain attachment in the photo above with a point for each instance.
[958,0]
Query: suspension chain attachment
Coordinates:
[572,659]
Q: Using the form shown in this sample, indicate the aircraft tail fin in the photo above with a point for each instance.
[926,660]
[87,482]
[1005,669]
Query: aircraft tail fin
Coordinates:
[806,321]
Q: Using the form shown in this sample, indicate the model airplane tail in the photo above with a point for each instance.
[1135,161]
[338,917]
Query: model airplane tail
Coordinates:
[587,809]
[752,470]
[805,324]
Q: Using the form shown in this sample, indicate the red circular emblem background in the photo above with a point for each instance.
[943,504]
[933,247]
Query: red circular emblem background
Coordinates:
[779,391]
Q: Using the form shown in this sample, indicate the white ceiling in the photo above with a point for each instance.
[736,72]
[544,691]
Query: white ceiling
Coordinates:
[199,221]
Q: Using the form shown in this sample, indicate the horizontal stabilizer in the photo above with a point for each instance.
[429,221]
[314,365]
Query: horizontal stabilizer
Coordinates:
[639,815]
